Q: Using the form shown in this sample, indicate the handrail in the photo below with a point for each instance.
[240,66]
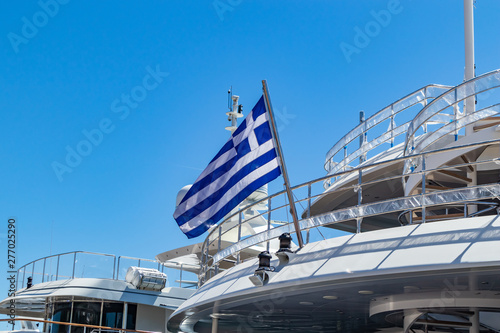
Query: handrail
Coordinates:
[388,113]
[452,98]
[110,270]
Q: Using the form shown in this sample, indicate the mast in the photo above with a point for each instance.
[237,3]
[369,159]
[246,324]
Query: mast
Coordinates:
[470,102]
[469,57]
[293,211]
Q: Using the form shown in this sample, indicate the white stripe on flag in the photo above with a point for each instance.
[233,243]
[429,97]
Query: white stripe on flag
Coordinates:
[217,184]
[209,212]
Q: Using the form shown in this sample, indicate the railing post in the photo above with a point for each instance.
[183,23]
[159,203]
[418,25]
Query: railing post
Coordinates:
[362,138]
[455,111]
[180,277]
[114,266]
[359,220]
[57,268]
[392,125]
[219,248]
[118,268]
[423,187]
[33,270]
[74,266]
[268,221]
[309,190]
[43,272]
[240,220]
[345,158]
[219,238]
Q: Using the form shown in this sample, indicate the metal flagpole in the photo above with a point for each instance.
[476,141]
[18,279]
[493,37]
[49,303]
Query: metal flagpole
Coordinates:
[282,162]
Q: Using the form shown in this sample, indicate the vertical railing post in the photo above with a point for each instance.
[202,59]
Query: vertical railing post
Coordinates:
[118,268]
[33,270]
[74,266]
[360,199]
[100,315]
[114,267]
[219,240]
[345,158]
[392,125]
[240,220]
[43,272]
[71,313]
[309,190]
[362,136]
[423,188]
[57,268]
[455,111]
[180,277]
[268,222]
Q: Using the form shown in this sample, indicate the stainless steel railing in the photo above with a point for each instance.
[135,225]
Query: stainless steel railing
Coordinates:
[444,111]
[343,156]
[83,264]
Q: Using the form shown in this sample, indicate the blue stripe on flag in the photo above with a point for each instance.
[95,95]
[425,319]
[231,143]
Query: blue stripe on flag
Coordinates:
[239,175]
[263,133]
[252,187]
[227,147]
[259,108]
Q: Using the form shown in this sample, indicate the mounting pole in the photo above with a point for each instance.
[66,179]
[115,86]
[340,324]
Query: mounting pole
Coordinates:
[470,102]
[293,211]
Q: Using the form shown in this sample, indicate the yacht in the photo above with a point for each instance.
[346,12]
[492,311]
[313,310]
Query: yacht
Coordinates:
[94,292]
[415,190]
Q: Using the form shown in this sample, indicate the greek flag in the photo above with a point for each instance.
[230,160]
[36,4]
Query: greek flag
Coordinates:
[246,162]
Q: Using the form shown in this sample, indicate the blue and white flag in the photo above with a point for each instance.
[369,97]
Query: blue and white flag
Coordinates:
[246,162]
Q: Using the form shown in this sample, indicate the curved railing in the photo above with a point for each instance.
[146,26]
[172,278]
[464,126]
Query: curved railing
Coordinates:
[445,111]
[82,264]
[371,127]
[219,248]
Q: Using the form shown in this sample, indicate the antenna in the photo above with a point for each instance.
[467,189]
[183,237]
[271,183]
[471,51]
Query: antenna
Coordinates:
[235,110]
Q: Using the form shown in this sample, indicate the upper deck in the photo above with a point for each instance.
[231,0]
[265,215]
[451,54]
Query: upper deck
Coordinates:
[425,169]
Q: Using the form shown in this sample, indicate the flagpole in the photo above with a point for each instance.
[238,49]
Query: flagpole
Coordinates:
[282,162]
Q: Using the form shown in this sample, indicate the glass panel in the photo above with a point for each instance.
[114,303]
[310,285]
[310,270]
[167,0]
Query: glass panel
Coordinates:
[66,262]
[94,266]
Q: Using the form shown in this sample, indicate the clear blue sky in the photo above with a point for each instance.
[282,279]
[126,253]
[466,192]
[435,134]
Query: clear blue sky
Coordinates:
[69,71]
